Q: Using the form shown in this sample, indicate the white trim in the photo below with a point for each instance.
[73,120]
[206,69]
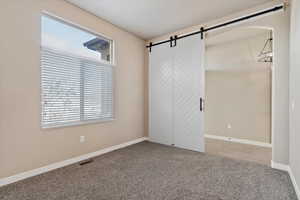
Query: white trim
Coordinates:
[279,166]
[236,140]
[72,23]
[293,179]
[85,29]
[35,172]
[76,56]
[288,169]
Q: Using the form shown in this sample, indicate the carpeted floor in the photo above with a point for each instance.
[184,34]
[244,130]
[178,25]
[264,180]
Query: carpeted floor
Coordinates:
[252,153]
[148,171]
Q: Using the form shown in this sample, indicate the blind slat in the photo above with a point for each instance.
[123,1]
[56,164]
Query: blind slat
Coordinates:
[74,89]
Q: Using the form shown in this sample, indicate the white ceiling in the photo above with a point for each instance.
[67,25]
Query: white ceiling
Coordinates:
[151,18]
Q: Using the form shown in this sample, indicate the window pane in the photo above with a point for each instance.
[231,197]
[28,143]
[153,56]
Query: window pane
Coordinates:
[60,77]
[97,91]
[76,84]
[64,37]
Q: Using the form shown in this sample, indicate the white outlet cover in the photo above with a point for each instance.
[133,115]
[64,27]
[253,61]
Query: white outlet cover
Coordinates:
[229,126]
[82,139]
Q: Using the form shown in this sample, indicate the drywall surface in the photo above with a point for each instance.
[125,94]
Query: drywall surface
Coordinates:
[241,54]
[295,92]
[280,24]
[238,87]
[238,104]
[23,144]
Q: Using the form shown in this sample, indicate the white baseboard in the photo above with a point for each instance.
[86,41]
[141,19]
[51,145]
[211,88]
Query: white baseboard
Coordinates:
[289,170]
[293,179]
[279,166]
[236,140]
[34,172]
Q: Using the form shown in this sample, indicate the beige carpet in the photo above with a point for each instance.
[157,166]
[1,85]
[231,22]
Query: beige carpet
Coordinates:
[148,171]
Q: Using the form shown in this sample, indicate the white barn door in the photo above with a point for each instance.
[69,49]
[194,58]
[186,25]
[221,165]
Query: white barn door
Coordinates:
[161,95]
[188,86]
[176,84]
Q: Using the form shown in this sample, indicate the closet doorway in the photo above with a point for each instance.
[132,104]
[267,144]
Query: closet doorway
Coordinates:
[238,100]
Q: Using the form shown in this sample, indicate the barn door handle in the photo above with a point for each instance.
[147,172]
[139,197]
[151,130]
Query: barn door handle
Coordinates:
[201,104]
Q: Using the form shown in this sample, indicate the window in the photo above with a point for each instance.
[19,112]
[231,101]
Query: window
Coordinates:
[76,75]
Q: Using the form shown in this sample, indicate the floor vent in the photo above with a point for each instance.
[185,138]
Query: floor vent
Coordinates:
[85,162]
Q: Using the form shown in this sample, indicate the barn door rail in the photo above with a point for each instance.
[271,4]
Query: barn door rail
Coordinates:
[173,39]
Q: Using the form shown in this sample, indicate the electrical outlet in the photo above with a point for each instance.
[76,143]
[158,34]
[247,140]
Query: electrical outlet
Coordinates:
[82,139]
[229,126]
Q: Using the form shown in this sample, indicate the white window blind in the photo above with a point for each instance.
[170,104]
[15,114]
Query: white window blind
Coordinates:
[75,89]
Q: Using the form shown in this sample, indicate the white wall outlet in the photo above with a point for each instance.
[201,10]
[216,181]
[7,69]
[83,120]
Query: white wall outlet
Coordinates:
[229,126]
[82,139]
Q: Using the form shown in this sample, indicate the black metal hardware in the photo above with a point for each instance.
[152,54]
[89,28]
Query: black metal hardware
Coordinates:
[175,40]
[202,33]
[201,104]
[276,8]
[150,47]
[171,41]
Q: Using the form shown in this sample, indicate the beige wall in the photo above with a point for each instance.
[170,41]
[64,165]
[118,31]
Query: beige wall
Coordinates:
[237,87]
[240,99]
[23,145]
[295,92]
[146,81]
[240,54]
[280,24]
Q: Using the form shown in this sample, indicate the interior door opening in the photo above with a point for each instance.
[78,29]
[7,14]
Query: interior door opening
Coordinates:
[238,99]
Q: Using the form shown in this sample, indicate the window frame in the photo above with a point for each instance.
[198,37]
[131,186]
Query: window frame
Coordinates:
[85,29]
[111,64]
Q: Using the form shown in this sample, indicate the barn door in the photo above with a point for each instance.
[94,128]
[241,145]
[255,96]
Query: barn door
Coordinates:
[161,94]
[176,91]
[188,86]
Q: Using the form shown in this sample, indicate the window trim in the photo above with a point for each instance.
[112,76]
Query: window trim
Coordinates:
[79,123]
[111,64]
